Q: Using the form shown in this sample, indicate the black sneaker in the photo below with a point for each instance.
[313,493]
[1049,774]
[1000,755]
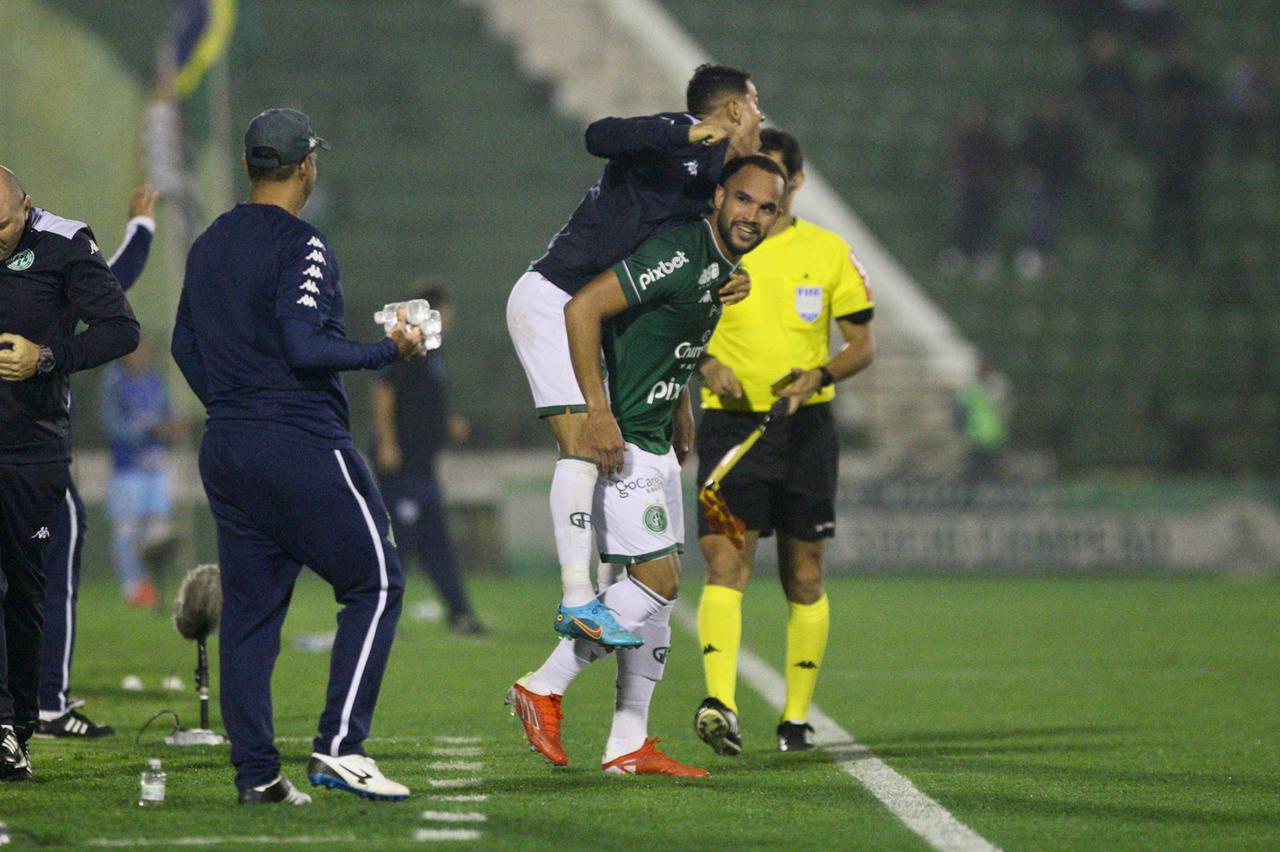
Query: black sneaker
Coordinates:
[15,763]
[279,790]
[466,624]
[795,736]
[717,725]
[72,724]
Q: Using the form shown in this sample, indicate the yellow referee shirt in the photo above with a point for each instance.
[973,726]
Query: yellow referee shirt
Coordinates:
[800,279]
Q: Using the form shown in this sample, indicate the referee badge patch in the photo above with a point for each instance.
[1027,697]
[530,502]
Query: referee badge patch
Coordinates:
[809,303]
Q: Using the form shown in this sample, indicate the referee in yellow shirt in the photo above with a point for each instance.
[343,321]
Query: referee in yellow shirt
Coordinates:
[802,277]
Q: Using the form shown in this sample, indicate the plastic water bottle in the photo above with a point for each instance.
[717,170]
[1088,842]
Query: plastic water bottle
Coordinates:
[417,312]
[152,785]
[4,834]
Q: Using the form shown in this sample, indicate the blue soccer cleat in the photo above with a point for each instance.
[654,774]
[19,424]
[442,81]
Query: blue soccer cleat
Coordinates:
[594,622]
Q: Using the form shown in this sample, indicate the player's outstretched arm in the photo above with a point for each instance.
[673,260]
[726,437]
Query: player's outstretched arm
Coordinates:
[616,138]
[583,316]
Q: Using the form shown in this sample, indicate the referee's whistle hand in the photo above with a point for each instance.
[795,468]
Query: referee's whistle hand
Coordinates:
[18,358]
[804,384]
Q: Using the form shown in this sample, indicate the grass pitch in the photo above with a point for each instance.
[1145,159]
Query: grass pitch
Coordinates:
[1043,713]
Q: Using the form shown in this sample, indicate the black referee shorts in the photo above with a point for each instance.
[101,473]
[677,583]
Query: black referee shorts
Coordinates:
[787,481]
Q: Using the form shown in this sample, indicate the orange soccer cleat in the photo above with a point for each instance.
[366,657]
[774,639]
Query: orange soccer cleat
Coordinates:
[647,760]
[540,715]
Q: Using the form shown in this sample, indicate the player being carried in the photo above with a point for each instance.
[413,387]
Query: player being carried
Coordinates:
[662,171]
[653,314]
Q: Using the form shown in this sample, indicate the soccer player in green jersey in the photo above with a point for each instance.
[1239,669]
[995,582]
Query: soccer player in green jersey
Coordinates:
[652,314]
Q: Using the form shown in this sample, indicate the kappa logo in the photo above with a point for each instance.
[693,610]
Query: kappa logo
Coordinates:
[93,247]
[310,287]
[317,257]
[581,520]
[706,298]
[711,273]
[313,271]
[691,166]
[662,270]
[315,241]
[806,664]
[41,533]
[709,649]
[307,300]
[22,260]
[660,654]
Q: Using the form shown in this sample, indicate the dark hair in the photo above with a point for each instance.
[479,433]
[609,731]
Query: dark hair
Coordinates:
[273,174]
[711,85]
[760,161]
[773,139]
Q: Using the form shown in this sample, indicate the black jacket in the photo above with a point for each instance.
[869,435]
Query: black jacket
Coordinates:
[654,180]
[55,278]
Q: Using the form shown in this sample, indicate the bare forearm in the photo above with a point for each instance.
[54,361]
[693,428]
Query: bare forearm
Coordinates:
[384,420]
[583,326]
[856,355]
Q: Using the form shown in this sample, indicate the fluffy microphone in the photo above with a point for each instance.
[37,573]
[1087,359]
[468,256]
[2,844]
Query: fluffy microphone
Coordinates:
[198,606]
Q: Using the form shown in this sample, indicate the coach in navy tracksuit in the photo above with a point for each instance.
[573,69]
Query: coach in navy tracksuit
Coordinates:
[58,714]
[52,276]
[260,338]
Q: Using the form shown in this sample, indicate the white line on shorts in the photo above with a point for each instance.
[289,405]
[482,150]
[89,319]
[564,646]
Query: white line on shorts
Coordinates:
[463,765]
[457,751]
[459,797]
[424,835]
[448,783]
[454,816]
[930,820]
[231,840]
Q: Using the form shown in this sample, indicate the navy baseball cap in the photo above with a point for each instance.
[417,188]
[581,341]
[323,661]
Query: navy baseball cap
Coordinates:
[280,137]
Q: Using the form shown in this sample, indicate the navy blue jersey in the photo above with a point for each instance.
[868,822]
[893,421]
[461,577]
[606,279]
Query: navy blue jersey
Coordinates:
[254,274]
[54,278]
[131,258]
[654,180]
[421,389]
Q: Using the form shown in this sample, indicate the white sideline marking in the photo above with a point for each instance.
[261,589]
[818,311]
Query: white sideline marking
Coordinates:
[423,835]
[454,816]
[457,751]
[439,783]
[930,820]
[459,740]
[238,840]
[463,797]
[466,765]
[368,739]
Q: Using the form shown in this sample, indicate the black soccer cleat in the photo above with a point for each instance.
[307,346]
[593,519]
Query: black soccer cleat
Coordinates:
[278,791]
[795,736]
[72,724]
[15,763]
[717,726]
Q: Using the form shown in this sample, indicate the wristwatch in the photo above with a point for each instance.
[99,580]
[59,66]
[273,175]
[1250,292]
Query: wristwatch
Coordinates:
[827,378]
[45,364]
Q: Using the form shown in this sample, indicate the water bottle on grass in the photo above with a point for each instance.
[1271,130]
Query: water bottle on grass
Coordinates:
[152,785]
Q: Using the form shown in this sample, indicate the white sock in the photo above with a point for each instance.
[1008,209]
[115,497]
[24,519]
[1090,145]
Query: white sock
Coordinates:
[573,487]
[633,602]
[570,658]
[608,573]
[639,670]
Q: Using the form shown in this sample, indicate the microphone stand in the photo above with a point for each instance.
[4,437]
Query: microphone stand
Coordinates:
[201,736]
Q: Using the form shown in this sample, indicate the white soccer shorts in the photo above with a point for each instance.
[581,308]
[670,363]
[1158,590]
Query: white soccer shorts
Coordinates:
[639,514]
[535,321]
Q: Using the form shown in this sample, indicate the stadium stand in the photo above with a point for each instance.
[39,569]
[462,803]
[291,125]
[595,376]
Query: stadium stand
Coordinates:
[1117,358]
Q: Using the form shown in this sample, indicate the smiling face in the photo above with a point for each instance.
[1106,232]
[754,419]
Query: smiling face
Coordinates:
[746,208]
[14,206]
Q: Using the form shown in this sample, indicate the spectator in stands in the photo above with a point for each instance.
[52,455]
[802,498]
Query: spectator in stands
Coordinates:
[138,417]
[411,424]
[1108,85]
[1249,102]
[1052,151]
[981,163]
[1180,148]
[981,414]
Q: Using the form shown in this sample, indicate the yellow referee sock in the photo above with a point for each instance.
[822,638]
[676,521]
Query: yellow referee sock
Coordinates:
[807,629]
[720,634]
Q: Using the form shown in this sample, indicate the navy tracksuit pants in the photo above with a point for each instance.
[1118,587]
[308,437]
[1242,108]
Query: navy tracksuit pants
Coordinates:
[279,506]
[61,592]
[29,495]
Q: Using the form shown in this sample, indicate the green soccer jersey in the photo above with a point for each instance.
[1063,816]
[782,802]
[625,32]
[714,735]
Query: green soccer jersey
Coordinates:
[672,284]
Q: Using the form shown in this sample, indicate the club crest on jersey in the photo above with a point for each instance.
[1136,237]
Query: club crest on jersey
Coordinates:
[809,303]
[711,273]
[691,166]
[662,270]
[655,519]
[22,260]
